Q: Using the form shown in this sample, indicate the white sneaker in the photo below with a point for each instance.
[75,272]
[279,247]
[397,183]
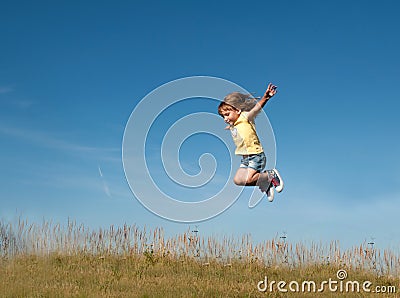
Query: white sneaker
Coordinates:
[270,193]
[276,179]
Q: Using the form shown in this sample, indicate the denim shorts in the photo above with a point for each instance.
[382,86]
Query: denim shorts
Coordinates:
[254,161]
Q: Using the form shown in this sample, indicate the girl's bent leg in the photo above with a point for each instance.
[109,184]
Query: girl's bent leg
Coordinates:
[246,176]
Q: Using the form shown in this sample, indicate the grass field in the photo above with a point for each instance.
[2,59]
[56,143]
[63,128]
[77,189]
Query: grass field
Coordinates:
[50,260]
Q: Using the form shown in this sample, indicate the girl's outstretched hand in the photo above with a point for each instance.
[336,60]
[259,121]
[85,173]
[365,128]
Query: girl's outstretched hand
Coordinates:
[271,91]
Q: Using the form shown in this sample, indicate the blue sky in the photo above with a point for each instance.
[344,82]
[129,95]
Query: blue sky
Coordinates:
[71,73]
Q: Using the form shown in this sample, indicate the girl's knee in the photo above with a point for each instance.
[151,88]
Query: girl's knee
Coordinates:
[239,181]
[242,181]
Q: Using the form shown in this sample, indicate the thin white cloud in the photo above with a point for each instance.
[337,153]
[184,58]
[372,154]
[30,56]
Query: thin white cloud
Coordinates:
[100,172]
[67,177]
[6,89]
[105,185]
[106,189]
[45,140]
[22,104]
[19,103]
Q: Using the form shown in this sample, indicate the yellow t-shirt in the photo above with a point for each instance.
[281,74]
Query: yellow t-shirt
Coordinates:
[245,137]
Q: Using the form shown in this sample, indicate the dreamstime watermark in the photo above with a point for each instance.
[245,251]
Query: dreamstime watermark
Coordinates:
[148,180]
[339,285]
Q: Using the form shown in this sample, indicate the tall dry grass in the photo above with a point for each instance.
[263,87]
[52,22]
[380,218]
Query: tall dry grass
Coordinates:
[23,238]
[53,260]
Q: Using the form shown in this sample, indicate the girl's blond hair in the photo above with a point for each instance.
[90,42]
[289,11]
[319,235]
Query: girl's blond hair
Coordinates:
[239,101]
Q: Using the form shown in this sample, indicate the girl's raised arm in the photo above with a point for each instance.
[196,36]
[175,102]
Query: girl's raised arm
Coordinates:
[271,91]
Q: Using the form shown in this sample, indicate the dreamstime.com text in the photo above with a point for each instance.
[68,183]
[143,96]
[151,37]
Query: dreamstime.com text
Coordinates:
[340,285]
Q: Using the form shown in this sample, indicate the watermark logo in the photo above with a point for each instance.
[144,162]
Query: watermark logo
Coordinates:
[335,285]
[341,274]
[150,181]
